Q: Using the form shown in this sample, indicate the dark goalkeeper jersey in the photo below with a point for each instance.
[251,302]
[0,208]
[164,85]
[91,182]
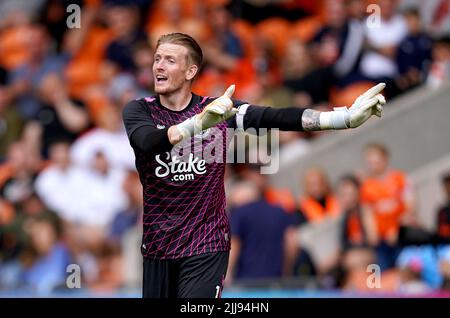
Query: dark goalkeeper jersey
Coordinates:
[184,195]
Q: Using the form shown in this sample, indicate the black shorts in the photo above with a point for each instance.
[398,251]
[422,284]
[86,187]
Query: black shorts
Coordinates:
[199,276]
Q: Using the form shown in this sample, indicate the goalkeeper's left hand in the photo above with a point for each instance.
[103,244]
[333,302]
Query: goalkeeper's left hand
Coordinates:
[368,104]
[216,112]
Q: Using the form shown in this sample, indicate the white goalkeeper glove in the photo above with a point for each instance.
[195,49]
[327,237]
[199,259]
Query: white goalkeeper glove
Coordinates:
[368,104]
[216,112]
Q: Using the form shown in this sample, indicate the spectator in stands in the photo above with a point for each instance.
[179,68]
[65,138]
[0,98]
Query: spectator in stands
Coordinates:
[54,184]
[439,74]
[275,196]
[345,69]
[387,195]
[62,185]
[433,13]
[109,137]
[444,267]
[128,217]
[17,174]
[326,48]
[11,124]
[26,80]
[318,201]
[411,271]
[443,214]
[378,62]
[46,258]
[109,274]
[59,116]
[123,20]
[259,232]
[414,53]
[223,37]
[354,224]
[143,59]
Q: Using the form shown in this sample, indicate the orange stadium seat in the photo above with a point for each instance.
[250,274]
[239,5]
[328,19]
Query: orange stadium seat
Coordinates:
[305,29]
[276,30]
[246,34]
[84,69]
[14,46]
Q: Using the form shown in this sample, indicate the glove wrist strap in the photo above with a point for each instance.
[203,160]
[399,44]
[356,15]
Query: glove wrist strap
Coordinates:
[339,118]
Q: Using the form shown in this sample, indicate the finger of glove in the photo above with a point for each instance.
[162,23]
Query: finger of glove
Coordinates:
[381,99]
[230,91]
[374,90]
[217,109]
[369,103]
[357,102]
[379,110]
[231,113]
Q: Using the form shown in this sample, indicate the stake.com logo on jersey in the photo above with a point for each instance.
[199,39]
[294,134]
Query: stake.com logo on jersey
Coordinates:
[190,158]
[180,170]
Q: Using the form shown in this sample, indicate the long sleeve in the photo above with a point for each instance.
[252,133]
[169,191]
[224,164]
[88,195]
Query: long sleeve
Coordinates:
[142,131]
[253,116]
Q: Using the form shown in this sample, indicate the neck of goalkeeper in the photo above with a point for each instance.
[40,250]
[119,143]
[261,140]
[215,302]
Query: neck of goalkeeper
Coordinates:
[179,99]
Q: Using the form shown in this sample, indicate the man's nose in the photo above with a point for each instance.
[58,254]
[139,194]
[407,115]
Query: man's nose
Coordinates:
[159,65]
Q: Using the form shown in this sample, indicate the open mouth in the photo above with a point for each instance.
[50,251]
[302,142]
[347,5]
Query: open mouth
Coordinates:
[161,78]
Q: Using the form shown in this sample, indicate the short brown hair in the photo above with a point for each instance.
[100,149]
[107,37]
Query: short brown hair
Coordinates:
[195,51]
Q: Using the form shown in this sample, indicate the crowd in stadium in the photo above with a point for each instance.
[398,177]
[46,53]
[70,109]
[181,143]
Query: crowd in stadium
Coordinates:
[69,192]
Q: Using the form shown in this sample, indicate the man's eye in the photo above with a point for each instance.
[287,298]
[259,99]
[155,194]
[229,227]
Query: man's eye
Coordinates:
[171,61]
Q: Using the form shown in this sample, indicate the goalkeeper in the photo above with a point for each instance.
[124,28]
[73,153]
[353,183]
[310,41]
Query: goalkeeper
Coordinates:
[186,235]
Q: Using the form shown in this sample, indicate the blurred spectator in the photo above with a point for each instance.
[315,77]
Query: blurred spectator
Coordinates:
[419,269]
[435,14]
[327,44]
[11,124]
[353,275]
[275,196]
[259,233]
[346,67]
[26,80]
[223,37]
[62,184]
[378,62]
[109,273]
[439,74]
[297,61]
[59,116]
[410,276]
[128,217]
[54,16]
[17,174]
[123,20]
[355,223]
[109,137]
[143,59]
[414,53]
[443,214]
[45,260]
[444,267]
[318,201]
[387,195]
[326,48]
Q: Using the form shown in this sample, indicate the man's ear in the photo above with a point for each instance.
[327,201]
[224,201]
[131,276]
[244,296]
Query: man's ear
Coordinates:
[191,72]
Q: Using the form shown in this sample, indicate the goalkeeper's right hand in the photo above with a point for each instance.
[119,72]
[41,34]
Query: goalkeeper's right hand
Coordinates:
[216,112]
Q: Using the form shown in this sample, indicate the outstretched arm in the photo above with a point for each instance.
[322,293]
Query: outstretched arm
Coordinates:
[300,119]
